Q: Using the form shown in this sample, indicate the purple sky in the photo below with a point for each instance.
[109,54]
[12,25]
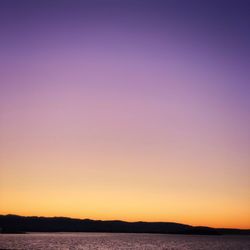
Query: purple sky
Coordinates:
[143,100]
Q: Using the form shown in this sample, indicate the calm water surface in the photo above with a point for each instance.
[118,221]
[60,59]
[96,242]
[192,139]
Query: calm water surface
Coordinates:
[112,241]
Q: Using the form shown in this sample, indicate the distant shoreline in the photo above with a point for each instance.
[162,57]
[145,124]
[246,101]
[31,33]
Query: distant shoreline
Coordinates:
[31,224]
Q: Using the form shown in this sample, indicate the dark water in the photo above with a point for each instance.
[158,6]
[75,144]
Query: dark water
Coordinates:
[116,241]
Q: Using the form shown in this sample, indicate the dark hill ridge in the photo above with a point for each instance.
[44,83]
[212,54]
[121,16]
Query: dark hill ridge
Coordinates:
[18,224]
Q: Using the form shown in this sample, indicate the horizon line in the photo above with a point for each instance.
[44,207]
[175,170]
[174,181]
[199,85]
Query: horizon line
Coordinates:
[138,221]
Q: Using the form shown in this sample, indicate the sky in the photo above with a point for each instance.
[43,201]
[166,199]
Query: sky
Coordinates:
[131,110]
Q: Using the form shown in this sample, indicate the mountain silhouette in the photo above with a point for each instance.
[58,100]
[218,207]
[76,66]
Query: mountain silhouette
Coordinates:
[21,224]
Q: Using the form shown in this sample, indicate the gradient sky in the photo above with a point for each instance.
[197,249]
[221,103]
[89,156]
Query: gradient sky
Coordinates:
[121,109]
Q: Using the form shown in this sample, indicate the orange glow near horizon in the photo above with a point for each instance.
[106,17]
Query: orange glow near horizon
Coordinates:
[122,193]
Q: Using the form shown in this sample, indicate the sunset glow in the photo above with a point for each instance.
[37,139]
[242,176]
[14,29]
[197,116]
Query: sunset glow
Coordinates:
[125,110]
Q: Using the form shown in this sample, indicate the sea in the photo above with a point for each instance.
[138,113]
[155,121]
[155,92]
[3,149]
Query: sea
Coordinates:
[122,241]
